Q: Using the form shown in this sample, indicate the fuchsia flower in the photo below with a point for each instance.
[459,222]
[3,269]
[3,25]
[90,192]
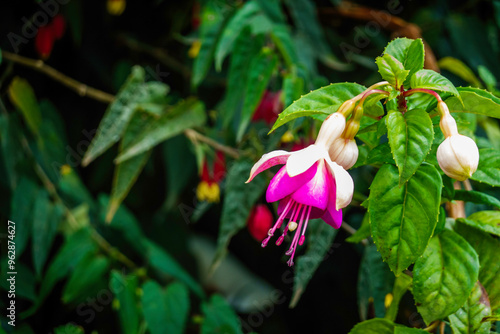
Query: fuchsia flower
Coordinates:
[310,185]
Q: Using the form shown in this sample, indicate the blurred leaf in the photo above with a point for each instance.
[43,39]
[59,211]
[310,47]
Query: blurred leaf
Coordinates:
[444,276]
[72,189]
[212,20]
[22,96]
[272,9]
[239,199]
[409,52]
[25,280]
[10,153]
[85,279]
[375,281]
[363,232]
[184,115]
[293,86]
[232,30]
[391,70]
[165,312]
[476,197]
[166,264]
[487,77]
[488,170]
[281,36]
[259,73]
[323,101]
[323,236]
[69,329]
[403,217]
[461,70]
[468,318]
[429,79]
[73,13]
[487,221]
[47,217]
[22,203]
[219,317]
[124,288]
[410,137]
[475,100]
[374,326]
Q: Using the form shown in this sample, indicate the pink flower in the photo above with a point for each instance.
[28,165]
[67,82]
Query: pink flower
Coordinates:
[310,185]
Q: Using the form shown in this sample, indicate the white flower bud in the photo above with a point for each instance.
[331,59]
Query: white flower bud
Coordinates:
[344,152]
[458,157]
[331,129]
[448,125]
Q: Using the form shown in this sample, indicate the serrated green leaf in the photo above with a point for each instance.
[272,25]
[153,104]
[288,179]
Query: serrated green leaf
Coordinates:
[22,96]
[85,279]
[260,72]
[165,311]
[488,169]
[124,288]
[379,155]
[487,221]
[232,30]
[476,101]
[487,248]
[409,52]
[321,236]
[430,79]
[391,70]
[468,318]
[322,101]
[458,68]
[410,137]
[444,276]
[219,317]
[374,326]
[375,281]
[184,115]
[403,217]
[239,199]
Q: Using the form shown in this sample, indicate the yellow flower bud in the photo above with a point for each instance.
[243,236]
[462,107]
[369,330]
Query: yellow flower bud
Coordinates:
[458,157]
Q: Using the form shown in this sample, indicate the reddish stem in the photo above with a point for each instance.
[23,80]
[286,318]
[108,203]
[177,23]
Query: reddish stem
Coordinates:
[422,90]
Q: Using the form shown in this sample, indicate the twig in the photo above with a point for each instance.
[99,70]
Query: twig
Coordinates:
[351,230]
[40,66]
[196,136]
[432,327]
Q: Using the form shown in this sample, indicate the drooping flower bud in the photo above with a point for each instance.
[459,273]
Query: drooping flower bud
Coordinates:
[331,129]
[458,157]
[448,125]
[44,41]
[259,222]
[344,152]
[208,189]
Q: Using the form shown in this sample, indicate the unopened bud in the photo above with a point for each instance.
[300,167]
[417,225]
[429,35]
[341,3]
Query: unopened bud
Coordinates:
[344,152]
[331,129]
[346,108]
[448,125]
[458,157]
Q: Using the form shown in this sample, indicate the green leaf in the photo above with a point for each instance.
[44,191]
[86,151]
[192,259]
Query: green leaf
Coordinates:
[406,330]
[117,116]
[22,96]
[272,9]
[430,79]
[321,236]
[232,30]
[21,212]
[184,115]
[293,86]
[85,279]
[444,276]
[10,155]
[487,221]
[468,318]
[165,312]
[487,248]
[363,232]
[374,326]
[379,155]
[281,36]
[375,281]
[391,70]
[476,101]
[403,217]
[124,288]
[167,265]
[219,317]
[212,20]
[322,101]
[488,169]
[487,77]
[239,198]
[260,71]
[401,285]
[410,137]
[25,280]
[409,52]
[458,68]
[47,218]
[69,329]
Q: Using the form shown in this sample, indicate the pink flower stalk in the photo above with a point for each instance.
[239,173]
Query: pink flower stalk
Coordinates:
[309,186]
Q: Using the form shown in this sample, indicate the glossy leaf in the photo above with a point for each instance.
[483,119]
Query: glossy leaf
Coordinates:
[374,326]
[184,115]
[476,101]
[219,317]
[321,237]
[410,137]
[488,170]
[468,318]
[403,217]
[444,276]
[86,280]
[391,70]
[124,288]
[487,221]
[407,330]
[22,96]
[239,199]
[409,52]
[430,79]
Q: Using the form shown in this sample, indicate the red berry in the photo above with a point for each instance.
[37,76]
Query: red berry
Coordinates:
[260,221]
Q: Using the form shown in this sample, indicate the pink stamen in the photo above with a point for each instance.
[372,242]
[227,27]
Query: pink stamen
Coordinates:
[265,241]
[301,241]
[307,220]
[280,240]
